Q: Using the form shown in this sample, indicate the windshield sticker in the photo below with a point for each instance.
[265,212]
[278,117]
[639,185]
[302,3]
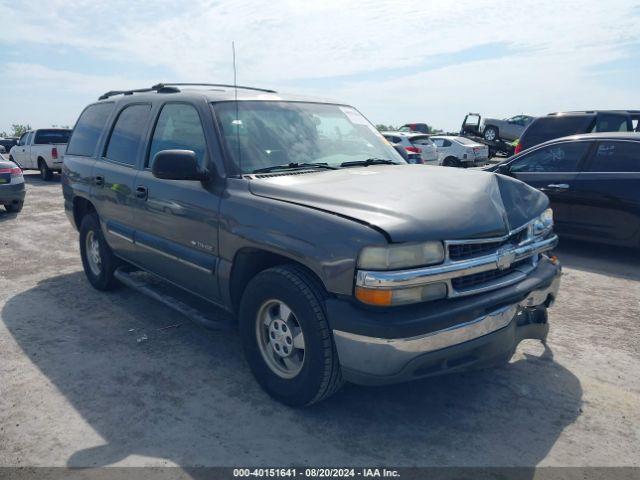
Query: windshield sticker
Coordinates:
[354,116]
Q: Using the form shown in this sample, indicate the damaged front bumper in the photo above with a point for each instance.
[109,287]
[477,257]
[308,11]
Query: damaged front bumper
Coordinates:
[484,340]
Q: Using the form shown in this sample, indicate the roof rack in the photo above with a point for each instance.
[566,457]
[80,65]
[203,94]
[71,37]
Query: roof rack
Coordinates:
[162,85]
[172,88]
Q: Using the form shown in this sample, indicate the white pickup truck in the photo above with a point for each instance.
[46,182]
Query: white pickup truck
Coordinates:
[41,150]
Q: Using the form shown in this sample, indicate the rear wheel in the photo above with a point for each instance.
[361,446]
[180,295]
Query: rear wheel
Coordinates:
[451,162]
[45,172]
[490,134]
[14,207]
[98,260]
[286,337]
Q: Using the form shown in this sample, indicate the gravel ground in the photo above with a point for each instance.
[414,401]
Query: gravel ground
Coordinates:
[77,389]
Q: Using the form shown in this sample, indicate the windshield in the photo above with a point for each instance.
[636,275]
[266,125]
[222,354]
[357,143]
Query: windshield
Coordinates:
[263,134]
[44,137]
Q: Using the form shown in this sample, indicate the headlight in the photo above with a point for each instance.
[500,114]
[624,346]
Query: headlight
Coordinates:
[543,224]
[394,257]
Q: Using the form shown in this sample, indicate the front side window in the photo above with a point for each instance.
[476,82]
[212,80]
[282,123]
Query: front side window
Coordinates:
[262,134]
[563,157]
[29,138]
[86,133]
[178,128]
[23,139]
[127,134]
[616,157]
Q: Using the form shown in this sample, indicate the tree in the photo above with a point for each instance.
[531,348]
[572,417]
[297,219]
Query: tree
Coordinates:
[16,130]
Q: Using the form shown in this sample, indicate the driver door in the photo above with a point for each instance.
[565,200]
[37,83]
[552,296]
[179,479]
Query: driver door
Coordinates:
[553,169]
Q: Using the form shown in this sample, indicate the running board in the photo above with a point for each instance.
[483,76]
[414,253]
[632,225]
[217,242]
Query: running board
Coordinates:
[127,277]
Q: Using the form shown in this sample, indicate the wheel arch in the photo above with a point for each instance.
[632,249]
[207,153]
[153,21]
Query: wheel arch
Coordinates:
[81,207]
[249,262]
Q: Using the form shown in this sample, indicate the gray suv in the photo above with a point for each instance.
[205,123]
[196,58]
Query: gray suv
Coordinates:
[339,260]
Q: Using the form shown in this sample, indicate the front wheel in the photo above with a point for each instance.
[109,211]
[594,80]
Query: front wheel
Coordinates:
[98,260]
[286,337]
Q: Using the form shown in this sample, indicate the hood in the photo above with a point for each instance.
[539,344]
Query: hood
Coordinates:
[413,202]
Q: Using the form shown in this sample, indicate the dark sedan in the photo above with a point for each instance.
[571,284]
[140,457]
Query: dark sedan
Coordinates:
[11,186]
[592,180]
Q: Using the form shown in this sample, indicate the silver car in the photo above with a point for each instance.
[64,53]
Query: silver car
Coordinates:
[414,143]
[456,151]
[507,129]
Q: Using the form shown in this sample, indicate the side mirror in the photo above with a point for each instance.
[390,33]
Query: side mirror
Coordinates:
[177,165]
[503,169]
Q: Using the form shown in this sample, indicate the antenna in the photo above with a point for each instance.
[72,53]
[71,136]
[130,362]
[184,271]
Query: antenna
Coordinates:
[237,120]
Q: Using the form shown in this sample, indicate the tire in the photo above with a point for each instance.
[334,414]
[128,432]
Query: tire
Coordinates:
[451,162]
[45,172]
[490,134]
[14,207]
[316,374]
[102,277]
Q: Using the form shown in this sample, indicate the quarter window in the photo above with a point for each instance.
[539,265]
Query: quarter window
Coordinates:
[616,157]
[86,133]
[178,128]
[563,157]
[127,134]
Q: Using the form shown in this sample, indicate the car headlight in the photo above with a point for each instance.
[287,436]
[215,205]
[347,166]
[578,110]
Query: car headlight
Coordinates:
[395,257]
[543,224]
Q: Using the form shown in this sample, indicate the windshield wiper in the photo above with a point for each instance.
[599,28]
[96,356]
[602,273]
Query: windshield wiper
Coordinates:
[293,166]
[369,161]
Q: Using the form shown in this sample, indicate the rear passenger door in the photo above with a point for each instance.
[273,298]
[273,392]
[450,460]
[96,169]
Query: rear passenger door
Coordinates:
[607,193]
[552,169]
[177,221]
[114,174]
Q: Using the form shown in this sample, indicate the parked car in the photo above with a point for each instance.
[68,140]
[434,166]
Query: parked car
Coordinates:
[42,150]
[415,127]
[340,260]
[592,181]
[508,129]
[460,151]
[414,143]
[2,150]
[7,143]
[562,124]
[11,186]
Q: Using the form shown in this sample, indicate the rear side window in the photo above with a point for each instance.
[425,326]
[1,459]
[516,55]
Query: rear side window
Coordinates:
[45,137]
[87,131]
[562,157]
[127,134]
[548,128]
[611,122]
[178,128]
[616,157]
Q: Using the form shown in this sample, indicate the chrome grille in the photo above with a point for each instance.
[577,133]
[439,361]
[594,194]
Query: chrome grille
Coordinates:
[465,251]
[480,279]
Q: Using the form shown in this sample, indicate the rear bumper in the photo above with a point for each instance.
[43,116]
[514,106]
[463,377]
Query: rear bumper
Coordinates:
[12,193]
[481,340]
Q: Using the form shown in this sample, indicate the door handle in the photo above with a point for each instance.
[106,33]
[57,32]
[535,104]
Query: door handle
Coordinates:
[142,192]
[559,186]
[98,180]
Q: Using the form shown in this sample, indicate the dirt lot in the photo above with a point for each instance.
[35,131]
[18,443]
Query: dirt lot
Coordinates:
[77,389]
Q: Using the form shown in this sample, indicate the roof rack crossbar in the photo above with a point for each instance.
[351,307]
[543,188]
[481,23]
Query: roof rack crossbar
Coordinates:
[161,85]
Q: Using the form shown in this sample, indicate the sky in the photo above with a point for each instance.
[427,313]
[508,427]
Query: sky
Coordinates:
[397,62]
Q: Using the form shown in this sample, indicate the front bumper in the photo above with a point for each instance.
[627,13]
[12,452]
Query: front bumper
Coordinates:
[479,341]
[12,193]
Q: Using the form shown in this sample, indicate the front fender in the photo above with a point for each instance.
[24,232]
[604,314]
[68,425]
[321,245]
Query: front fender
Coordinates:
[325,243]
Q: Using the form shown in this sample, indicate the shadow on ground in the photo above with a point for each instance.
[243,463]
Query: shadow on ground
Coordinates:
[622,262]
[185,395]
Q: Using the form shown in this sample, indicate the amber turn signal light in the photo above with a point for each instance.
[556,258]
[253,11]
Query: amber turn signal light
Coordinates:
[373,296]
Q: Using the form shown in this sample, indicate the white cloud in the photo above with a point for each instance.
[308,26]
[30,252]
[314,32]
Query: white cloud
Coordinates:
[283,43]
